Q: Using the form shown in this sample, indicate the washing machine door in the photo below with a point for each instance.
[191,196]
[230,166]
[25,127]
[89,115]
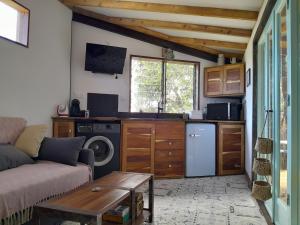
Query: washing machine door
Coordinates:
[103,149]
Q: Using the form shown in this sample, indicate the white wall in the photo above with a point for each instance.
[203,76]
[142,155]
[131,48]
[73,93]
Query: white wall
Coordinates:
[84,81]
[248,100]
[34,80]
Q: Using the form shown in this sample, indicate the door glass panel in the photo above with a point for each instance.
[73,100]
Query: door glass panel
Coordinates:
[269,103]
[283,106]
[180,87]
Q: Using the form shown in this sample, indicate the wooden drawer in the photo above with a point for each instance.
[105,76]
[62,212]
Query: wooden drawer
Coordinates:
[169,144]
[169,130]
[169,156]
[171,169]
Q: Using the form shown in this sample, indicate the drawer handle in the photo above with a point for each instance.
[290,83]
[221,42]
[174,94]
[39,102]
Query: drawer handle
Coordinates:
[170,166]
[70,131]
[170,143]
[237,166]
[170,153]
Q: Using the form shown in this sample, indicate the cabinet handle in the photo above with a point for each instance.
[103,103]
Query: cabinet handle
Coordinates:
[70,131]
[170,153]
[237,166]
[170,143]
[170,166]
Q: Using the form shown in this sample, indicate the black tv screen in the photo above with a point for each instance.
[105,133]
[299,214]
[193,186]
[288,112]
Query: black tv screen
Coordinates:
[104,59]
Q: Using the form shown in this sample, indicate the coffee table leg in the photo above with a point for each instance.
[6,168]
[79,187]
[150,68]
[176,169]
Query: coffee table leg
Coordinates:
[151,199]
[133,206]
[35,217]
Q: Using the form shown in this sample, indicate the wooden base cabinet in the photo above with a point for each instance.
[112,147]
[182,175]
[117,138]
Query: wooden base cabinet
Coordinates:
[153,147]
[231,149]
[63,128]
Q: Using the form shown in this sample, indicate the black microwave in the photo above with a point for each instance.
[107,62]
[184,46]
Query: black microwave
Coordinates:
[224,111]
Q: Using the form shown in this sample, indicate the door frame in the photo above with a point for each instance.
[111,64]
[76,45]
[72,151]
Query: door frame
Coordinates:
[293,38]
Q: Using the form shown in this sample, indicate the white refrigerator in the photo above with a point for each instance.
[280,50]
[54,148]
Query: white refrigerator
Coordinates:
[200,149]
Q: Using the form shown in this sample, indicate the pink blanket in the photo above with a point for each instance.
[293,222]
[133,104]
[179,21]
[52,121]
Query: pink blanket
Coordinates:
[27,185]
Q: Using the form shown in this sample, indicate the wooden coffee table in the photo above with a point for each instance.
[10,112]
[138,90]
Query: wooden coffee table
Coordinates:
[131,181]
[83,205]
[87,206]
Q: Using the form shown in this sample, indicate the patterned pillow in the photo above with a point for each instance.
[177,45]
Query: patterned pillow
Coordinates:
[10,129]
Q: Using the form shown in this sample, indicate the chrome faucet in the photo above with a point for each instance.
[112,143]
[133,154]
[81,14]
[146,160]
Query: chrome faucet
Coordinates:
[160,107]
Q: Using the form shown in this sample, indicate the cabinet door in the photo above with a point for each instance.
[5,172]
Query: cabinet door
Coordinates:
[231,149]
[234,80]
[213,81]
[63,129]
[138,147]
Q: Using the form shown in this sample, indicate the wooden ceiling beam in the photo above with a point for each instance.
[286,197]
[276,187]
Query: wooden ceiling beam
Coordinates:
[168,8]
[182,26]
[186,41]
[122,30]
[211,43]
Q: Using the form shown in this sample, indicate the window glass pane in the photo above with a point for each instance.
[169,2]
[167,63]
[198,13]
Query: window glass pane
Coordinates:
[14,22]
[283,106]
[146,84]
[8,22]
[180,79]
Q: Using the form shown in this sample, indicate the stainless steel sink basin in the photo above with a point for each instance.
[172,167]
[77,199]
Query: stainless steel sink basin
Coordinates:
[151,115]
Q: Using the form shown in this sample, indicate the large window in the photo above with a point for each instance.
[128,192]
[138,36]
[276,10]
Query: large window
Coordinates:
[172,85]
[14,22]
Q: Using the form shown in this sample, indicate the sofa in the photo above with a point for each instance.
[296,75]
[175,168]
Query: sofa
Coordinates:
[22,187]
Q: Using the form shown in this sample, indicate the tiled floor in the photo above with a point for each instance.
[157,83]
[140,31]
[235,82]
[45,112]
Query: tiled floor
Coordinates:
[205,201]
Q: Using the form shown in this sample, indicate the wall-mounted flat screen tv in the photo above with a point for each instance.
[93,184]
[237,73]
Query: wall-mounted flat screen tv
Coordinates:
[104,59]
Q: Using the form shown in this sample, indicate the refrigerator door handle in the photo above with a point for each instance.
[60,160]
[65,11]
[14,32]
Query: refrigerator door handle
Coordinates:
[194,135]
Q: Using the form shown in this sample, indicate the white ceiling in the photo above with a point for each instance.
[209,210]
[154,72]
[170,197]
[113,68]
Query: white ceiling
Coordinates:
[250,5]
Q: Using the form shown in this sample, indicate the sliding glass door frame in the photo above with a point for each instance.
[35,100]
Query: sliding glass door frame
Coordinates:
[281,213]
[293,21]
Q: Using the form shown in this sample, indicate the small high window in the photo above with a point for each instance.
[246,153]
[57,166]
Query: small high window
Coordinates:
[14,22]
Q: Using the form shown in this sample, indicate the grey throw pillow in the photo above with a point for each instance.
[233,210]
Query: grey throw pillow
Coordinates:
[61,150]
[11,157]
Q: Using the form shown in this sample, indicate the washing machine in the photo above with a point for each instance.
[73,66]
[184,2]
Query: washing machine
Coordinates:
[104,139]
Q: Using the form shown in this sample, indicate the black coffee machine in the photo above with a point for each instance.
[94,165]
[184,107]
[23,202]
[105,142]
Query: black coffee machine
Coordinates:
[75,109]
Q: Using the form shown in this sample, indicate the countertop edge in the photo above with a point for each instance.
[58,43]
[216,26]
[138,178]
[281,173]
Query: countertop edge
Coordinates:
[146,119]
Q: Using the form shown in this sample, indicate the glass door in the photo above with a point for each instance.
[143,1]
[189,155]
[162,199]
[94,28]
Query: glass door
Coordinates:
[274,80]
[281,137]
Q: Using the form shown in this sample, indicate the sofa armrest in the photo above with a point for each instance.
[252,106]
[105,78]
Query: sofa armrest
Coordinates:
[87,157]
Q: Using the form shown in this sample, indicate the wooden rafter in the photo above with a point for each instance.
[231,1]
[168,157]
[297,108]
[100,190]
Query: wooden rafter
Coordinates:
[211,43]
[182,26]
[182,41]
[171,38]
[167,8]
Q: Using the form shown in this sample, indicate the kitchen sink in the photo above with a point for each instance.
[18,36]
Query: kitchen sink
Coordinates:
[150,115]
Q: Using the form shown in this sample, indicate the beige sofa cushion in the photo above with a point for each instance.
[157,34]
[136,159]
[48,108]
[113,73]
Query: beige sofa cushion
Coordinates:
[31,138]
[10,129]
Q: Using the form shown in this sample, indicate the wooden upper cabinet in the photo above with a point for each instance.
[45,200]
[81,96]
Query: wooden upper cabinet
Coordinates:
[234,80]
[138,146]
[213,81]
[231,149]
[227,80]
[63,128]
